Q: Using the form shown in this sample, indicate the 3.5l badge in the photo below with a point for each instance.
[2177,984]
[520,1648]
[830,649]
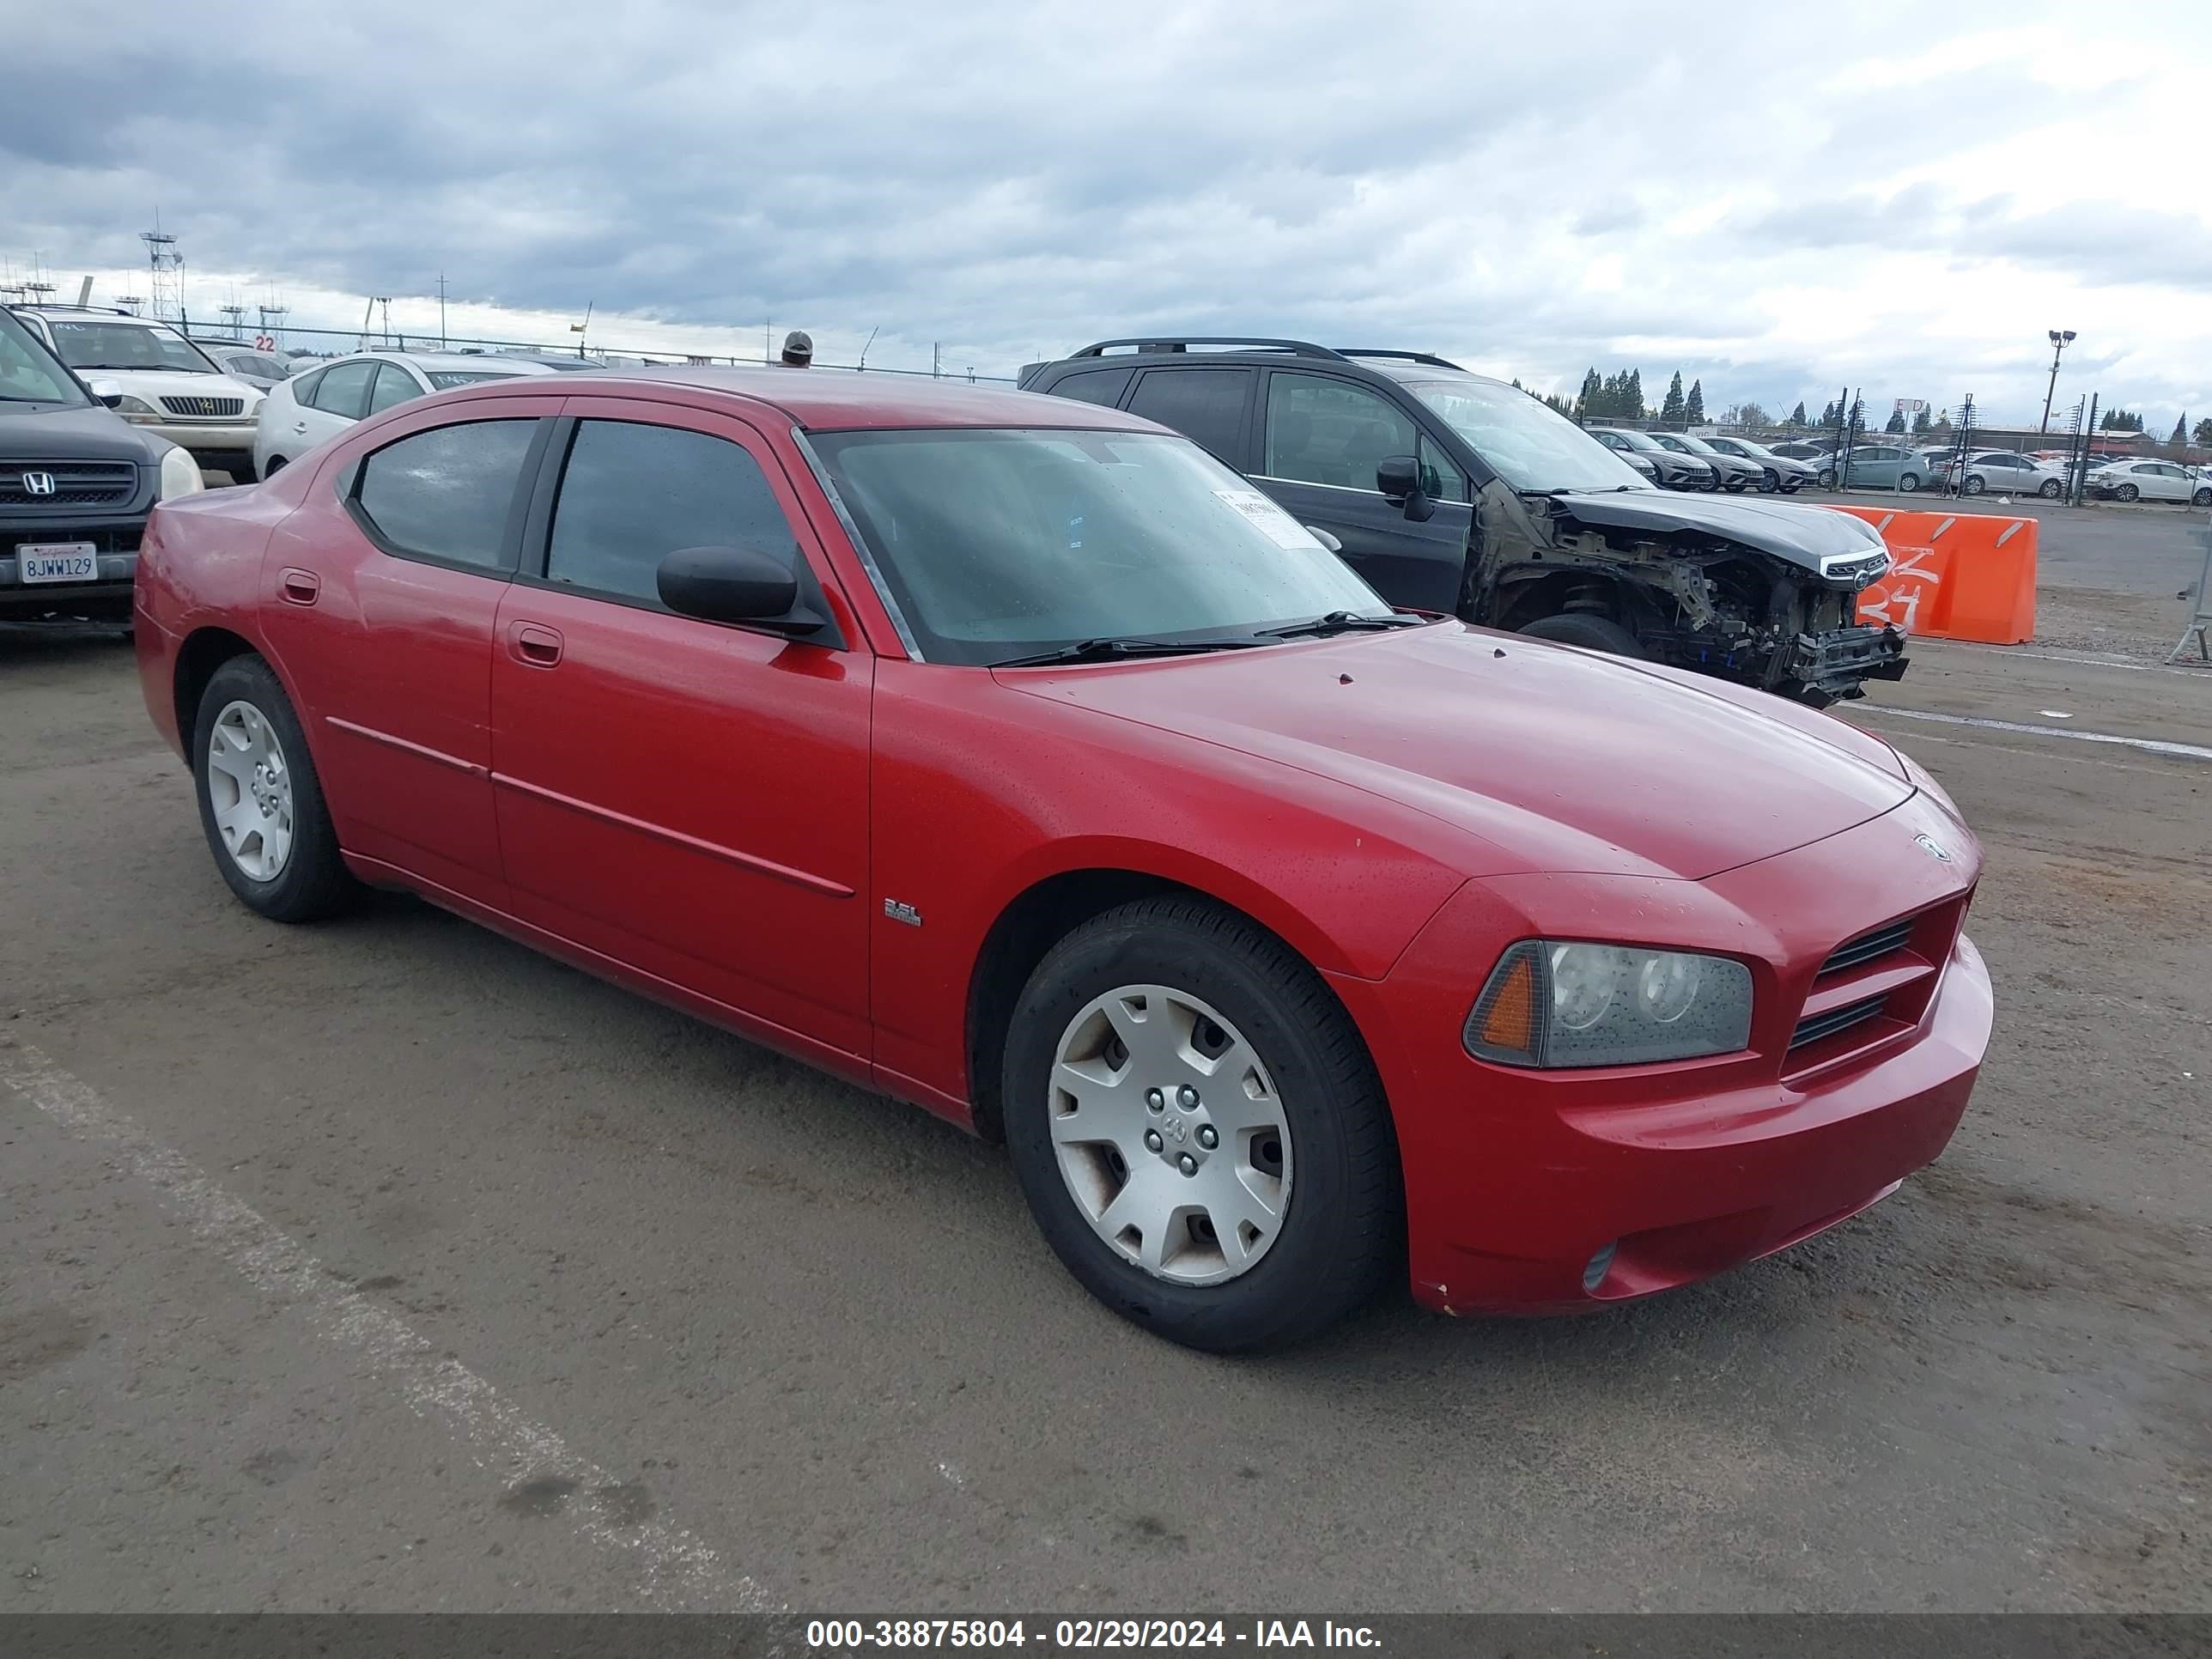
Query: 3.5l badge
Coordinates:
[897,910]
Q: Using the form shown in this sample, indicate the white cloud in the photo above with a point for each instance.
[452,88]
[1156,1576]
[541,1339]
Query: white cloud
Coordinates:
[1775,202]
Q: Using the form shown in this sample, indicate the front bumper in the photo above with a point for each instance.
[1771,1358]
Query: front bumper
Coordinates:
[1835,663]
[224,437]
[116,543]
[1516,1181]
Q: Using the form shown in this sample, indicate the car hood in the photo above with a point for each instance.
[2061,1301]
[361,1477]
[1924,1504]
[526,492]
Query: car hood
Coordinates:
[1801,535]
[63,432]
[1550,758]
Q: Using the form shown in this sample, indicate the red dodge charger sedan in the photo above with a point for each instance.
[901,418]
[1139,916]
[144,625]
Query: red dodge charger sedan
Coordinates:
[1009,755]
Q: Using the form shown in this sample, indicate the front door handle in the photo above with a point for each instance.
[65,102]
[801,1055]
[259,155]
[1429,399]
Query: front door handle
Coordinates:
[533,644]
[300,586]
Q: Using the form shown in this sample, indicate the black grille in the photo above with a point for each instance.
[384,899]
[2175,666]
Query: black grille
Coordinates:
[204,409]
[1867,947]
[73,483]
[105,539]
[1813,1027]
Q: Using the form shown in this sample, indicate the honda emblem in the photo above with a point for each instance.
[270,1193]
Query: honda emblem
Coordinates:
[38,483]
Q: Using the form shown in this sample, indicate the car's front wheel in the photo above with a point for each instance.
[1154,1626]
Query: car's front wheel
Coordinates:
[1588,629]
[2049,489]
[260,801]
[1198,1128]
[1768,481]
[1828,478]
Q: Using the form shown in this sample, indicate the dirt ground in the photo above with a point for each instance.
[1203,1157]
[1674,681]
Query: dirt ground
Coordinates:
[385,1265]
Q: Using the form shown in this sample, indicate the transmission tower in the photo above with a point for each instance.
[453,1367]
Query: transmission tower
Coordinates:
[272,321]
[166,273]
[234,319]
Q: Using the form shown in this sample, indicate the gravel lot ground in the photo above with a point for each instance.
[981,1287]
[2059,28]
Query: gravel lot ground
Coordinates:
[385,1265]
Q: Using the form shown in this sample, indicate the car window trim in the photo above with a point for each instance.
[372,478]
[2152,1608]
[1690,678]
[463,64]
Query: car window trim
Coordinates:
[348,489]
[860,544]
[1347,489]
[533,535]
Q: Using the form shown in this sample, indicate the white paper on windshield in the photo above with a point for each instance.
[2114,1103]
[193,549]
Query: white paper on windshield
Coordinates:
[1277,525]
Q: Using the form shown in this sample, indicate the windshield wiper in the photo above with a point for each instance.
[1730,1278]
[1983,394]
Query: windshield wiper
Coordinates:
[1109,650]
[1337,622]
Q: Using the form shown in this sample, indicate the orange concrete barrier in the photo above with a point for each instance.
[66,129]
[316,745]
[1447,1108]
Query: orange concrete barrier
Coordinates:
[1955,576]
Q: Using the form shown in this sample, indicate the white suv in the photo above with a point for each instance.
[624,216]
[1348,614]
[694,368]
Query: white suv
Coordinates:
[153,377]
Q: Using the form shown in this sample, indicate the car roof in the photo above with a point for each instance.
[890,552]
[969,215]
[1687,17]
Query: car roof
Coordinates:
[843,400]
[95,314]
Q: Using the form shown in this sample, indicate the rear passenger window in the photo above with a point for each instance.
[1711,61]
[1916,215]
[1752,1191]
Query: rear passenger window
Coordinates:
[632,495]
[446,494]
[343,389]
[394,387]
[1207,404]
[1094,386]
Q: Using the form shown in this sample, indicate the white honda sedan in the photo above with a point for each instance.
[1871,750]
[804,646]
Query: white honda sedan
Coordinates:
[320,402]
[2151,481]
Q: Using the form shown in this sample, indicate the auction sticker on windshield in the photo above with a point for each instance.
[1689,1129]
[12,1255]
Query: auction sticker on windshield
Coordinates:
[1279,526]
[58,561]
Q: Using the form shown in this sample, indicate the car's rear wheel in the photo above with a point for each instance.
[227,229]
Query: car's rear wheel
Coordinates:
[2202,498]
[1908,482]
[1198,1130]
[1975,484]
[260,801]
[276,465]
[2128,493]
[1586,629]
[2049,489]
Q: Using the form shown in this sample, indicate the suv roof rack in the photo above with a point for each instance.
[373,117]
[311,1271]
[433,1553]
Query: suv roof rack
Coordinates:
[1429,358]
[1183,342]
[58,305]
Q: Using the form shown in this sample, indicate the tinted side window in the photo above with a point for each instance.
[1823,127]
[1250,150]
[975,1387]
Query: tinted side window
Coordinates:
[343,389]
[1207,404]
[1094,386]
[446,493]
[1328,431]
[394,387]
[632,495]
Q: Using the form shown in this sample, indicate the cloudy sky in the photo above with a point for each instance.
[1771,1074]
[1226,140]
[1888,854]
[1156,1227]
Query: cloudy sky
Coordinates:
[1778,199]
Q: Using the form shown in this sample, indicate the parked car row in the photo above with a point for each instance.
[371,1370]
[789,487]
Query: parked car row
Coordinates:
[2151,481]
[1680,461]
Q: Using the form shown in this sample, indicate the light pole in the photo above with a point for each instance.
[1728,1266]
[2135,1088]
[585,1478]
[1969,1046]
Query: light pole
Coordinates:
[2060,339]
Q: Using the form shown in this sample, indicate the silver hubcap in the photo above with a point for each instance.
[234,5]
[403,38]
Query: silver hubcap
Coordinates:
[250,788]
[1170,1135]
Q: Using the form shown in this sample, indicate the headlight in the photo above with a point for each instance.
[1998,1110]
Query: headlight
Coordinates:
[137,409]
[1554,1004]
[180,475]
[1916,774]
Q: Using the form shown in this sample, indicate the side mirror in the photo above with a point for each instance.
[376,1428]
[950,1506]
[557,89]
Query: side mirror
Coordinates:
[109,392]
[736,584]
[1324,538]
[1398,478]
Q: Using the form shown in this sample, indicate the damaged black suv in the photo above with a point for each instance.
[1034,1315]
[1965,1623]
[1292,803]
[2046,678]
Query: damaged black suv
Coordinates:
[1450,491]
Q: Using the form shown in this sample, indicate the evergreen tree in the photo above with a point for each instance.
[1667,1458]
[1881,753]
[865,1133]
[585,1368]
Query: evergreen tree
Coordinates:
[2180,429]
[1922,424]
[1896,421]
[1517,386]
[1797,415]
[1632,396]
[1833,415]
[1592,393]
[1693,406]
[1670,406]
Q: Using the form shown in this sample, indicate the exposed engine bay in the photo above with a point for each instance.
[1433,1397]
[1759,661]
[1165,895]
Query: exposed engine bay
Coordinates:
[1689,581]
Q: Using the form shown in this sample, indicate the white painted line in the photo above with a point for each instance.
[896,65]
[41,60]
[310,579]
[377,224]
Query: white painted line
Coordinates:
[2088,658]
[679,1571]
[2149,746]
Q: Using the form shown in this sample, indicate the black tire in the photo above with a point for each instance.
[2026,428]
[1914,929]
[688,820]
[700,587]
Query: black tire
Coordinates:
[1828,478]
[313,882]
[1769,481]
[2128,493]
[2049,490]
[1344,1230]
[1586,629]
[1907,483]
[241,469]
[1975,484]
[276,465]
[2202,498]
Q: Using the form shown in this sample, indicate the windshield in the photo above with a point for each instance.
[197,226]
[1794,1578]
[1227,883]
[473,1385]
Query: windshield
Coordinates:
[28,373]
[1695,445]
[1532,447]
[445,379]
[999,545]
[86,345]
